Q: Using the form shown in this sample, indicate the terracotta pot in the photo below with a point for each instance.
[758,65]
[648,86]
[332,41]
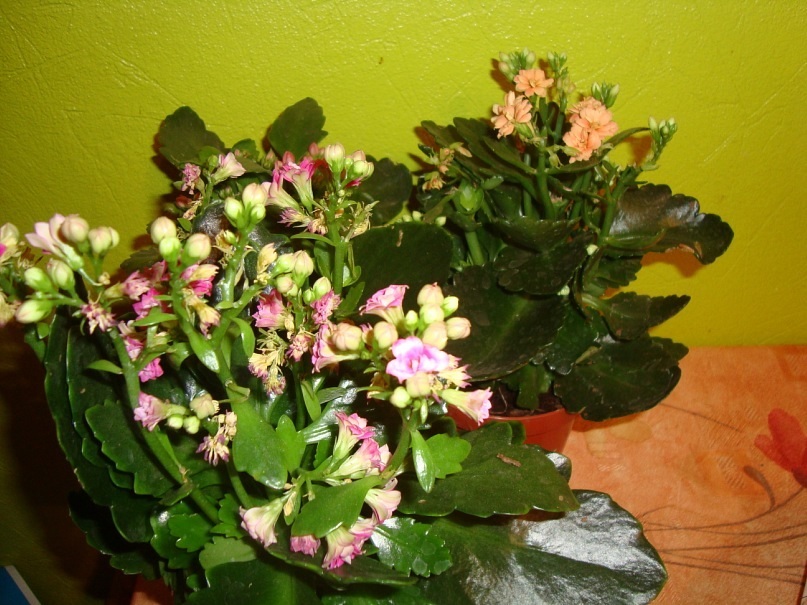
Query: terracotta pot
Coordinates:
[550,430]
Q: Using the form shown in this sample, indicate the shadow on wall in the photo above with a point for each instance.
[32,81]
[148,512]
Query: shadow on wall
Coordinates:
[38,482]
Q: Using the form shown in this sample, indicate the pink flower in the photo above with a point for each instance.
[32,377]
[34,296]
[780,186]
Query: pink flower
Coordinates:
[150,411]
[384,502]
[413,356]
[97,316]
[300,345]
[346,544]
[369,459]
[325,306]
[228,168]
[515,111]
[533,82]
[474,404]
[352,429]
[147,302]
[260,521]
[190,174]
[308,544]
[133,348]
[386,304]
[325,353]
[200,278]
[271,312]
[47,237]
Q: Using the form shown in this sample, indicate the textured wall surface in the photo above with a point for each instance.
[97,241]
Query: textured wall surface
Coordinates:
[83,87]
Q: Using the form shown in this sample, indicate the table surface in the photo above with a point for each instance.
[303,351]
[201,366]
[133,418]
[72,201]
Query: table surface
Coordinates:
[716,473]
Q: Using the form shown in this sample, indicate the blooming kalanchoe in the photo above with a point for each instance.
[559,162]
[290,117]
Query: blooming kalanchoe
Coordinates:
[216,447]
[515,112]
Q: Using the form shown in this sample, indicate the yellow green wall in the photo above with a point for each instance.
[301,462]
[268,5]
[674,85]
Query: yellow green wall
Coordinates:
[83,87]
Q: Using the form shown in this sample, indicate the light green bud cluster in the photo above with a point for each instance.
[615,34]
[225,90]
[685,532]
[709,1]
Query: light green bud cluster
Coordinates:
[102,240]
[512,63]
[605,93]
[197,248]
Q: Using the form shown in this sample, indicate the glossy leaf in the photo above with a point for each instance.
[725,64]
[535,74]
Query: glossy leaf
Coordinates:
[613,273]
[507,330]
[500,475]
[408,547]
[226,550]
[182,136]
[577,335]
[535,561]
[257,450]
[621,378]
[390,186]
[422,461]
[292,441]
[653,208]
[332,507]
[297,127]
[379,595]
[413,254]
[255,582]
[535,234]
[630,315]
[447,454]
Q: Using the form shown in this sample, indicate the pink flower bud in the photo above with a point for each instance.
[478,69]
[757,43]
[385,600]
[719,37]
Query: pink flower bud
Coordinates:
[234,211]
[384,334]
[347,337]
[450,304]
[335,158]
[74,229]
[61,274]
[36,279]
[302,266]
[161,228]
[431,313]
[435,335]
[430,294]
[103,239]
[32,310]
[197,247]
[170,247]
[458,327]
[419,385]
[286,286]
[400,398]
[204,406]
[254,195]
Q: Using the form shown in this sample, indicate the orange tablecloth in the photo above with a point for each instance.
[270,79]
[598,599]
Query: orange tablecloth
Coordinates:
[730,522]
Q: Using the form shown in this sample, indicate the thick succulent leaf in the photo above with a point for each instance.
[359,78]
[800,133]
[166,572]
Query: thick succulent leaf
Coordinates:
[257,449]
[629,315]
[385,255]
[164,542]
[621,378]
[532,481]
[544,272]
[596,555]
[333,507]
[447,454]
[297,127]
[535,234]
[577,335]
[182,136]
[390,186]
[408,547]
[255,582]
[122,443]
[507,329]
[222,550]
[653,208]
[612,273]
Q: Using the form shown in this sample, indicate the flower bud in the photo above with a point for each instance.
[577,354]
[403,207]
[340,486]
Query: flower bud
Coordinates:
[191,425]
[61,274]
[197,247]
[450,304]
[335,158]
[74,229]
[234,211]
[430,294]
[103,239]
[400,398]
[286,286]
[256,214]
[170,247]
[321,287]
[457,328]
[36,279]
[347,337]
[431,313]
[204,406]
[359,169]
[175,421]
[411,320]
[33,310]
[419,385]
[435,335]
[384,334]
[9,235]
[254,195]
[302,266]
[161,228]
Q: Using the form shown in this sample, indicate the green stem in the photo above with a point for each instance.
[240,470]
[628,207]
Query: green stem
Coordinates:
[400,451]
[543,188]
[474,248]
[238,486]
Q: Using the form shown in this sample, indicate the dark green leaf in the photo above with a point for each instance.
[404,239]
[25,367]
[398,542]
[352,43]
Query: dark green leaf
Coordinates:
[182,136]
[190,529]
[226,550]
[570,559]
[422,461]
[390,185]
[630,315]
[653,208]
[577,335]
[612,273]
[297,127]
[333,507]
[378,595]
[413,254]
[531,480]
[409,547]
[621,378]
[257,450]
[507,329]
[293,443]
[535,234]
[165,543]
[254,582]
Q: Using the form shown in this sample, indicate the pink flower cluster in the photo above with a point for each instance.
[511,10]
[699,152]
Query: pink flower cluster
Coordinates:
[515,111]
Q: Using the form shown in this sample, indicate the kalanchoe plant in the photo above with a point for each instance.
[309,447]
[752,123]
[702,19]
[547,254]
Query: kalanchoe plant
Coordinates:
[547,230]
[256,409]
